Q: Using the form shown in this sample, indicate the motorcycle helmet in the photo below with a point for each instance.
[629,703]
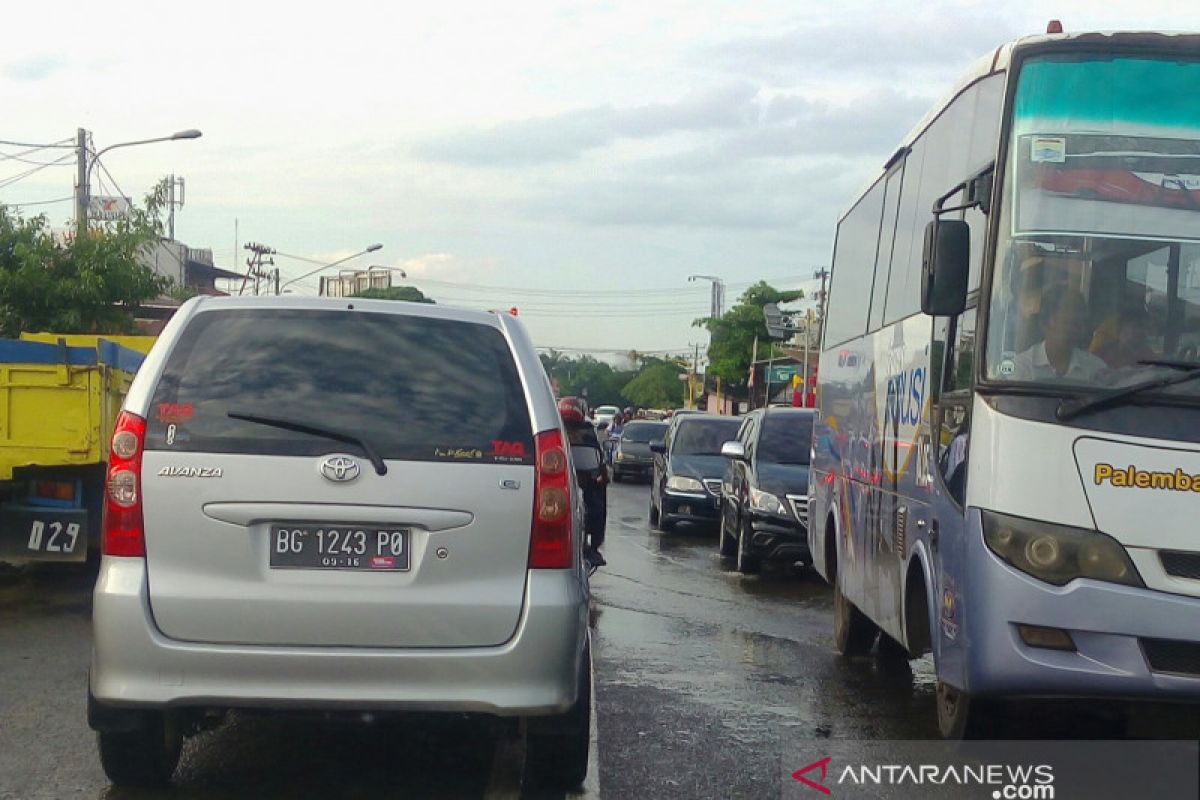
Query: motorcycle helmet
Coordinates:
[572,410]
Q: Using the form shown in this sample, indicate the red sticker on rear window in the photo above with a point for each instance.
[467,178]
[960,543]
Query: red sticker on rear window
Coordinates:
[175,412]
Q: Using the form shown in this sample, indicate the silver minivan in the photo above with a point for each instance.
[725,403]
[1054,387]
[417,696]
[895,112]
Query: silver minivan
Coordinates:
[355,505]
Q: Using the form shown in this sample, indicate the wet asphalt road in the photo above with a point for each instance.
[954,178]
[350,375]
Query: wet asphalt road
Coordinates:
[708,684]
[709,681]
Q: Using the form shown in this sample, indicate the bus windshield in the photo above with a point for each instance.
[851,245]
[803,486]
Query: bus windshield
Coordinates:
[1098,268]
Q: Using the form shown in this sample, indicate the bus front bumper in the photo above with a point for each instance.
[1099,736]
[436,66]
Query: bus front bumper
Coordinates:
[1128,643]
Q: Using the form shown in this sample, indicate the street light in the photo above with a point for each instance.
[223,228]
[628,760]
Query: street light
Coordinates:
[84,196]
[718,293]
[369,249]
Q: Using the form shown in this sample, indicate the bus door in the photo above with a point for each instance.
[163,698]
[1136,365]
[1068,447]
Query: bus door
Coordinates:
[953,356]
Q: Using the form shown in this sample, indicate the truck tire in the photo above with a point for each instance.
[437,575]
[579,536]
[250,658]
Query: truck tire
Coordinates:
[144,757]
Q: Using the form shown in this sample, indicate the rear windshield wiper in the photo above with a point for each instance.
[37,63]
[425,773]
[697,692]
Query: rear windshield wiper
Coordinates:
[1069,409]
[314,430]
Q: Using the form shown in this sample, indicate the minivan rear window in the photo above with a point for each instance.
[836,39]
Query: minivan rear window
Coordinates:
[416,388]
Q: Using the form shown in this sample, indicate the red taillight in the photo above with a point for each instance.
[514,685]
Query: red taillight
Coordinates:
[124,534]
[550,540]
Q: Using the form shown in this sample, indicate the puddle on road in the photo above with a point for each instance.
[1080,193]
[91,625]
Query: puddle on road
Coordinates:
[754,679]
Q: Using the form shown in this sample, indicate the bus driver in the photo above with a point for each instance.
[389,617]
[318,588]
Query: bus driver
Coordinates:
[1062,318]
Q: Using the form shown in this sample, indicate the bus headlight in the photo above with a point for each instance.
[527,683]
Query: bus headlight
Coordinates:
[1058,554]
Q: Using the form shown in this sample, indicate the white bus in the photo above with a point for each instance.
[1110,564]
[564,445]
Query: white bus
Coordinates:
[1006,467]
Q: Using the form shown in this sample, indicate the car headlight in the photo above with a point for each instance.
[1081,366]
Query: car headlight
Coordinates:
[679,483]
[1057,554]
[765,501]
[620,456]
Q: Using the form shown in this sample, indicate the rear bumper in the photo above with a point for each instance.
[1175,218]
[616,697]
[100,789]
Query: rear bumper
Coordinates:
[535,673]
[641,469]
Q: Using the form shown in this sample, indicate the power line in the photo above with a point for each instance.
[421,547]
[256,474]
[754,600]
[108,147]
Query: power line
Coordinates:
[40,202]
[116,186]
[60,143]
[21,157]
[9,181]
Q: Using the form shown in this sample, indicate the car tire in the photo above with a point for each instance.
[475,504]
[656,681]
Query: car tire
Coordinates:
[144,757]
[747,562]
[617,476]
[853,632]
[961,716]
[653,512]
[728,546]
[557,759]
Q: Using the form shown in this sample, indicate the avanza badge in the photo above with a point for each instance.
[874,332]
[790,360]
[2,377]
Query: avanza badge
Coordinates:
[190,472]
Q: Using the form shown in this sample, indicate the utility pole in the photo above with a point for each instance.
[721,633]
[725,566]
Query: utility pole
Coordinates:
[254,266]
[81,179]
[823,275]
[172,203]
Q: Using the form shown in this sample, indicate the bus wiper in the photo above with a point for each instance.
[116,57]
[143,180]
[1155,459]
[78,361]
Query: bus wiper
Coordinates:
[314,430]
[1069,409]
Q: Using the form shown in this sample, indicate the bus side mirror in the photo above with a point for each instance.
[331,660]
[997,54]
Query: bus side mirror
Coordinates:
[945,265]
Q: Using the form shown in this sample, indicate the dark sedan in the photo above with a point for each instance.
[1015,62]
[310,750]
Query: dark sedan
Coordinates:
[632,456]
[764,510]
[686,486]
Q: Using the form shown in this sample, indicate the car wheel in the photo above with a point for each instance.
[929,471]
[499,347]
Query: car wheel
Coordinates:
[747,562]
[961,716]
[853,632]
[143,757]
[616,476]
[728,546]
[653,511]
[556,752]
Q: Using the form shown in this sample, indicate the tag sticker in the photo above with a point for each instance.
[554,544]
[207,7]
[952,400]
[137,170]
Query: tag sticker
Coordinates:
[175,412]
[458,453]
[1048,150]
[1007,367]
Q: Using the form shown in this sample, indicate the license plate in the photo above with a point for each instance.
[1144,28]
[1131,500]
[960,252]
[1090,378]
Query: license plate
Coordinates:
[369,548]
[28,534]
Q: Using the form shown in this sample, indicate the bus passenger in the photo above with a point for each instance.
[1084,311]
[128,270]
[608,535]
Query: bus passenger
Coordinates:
[1122,340]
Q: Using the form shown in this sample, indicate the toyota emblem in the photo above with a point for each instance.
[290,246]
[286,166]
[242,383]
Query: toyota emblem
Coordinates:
[340,469]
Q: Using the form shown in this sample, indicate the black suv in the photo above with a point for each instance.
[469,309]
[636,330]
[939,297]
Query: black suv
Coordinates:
[764,509]
[686,486]
[632,456]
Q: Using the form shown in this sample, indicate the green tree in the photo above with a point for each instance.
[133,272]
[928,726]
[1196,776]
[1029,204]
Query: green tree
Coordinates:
[92,284]
[731,347]
[409,293]
[657,385]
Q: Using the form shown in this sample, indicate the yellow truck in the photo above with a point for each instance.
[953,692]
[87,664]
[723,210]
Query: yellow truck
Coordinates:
[59,398]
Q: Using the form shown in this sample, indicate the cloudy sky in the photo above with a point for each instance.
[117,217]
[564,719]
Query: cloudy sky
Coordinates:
[577,160]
